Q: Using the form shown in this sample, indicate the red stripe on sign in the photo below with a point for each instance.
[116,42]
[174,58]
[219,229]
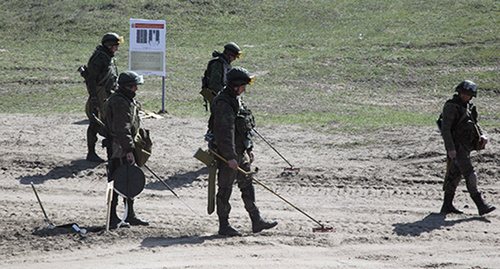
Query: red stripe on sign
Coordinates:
[147,25]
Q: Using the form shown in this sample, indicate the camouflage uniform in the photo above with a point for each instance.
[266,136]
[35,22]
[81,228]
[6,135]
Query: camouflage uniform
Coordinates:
[458,134]
[461,134]
[122,125]
[101,83]
[122,121]
[215,74]
[232,123]
[233,141]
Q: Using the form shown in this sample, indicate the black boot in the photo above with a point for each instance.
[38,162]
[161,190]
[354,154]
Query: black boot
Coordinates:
[223,209]
[258,224]
[131,217]
[93,157]
[91,142]
[225,229]
[482,207]
[115,222]
[448,204]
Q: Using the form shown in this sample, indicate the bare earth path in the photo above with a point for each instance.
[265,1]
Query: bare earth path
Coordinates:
[379,191]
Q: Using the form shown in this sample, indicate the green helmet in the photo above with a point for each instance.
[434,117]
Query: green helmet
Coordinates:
[467,87]
[111,39]
[232,49]
[238,76]
[129,78]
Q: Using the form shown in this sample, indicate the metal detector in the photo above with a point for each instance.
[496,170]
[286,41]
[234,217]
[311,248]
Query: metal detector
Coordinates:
[292,167]
[321,228]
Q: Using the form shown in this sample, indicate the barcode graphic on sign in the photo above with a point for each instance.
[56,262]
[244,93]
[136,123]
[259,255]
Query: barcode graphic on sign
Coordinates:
[142,36]
[148,36]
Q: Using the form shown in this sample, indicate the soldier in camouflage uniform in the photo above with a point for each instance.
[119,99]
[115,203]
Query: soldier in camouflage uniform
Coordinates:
[122,124]
[461,135]
[231,123]
[101,83]
[214,78]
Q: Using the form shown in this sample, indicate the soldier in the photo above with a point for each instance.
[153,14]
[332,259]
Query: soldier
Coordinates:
[122,124]
[461,135]
[214,79]
[231,123]
[101,83]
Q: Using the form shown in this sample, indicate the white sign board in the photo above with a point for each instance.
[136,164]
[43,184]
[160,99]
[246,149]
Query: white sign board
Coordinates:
[147,47]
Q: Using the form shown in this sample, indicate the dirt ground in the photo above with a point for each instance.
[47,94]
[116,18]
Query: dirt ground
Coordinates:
[380,192]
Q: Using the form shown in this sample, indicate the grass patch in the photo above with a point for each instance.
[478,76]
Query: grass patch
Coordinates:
[348,64]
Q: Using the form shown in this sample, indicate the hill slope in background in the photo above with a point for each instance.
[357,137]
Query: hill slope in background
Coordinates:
[341,87]
[314,60]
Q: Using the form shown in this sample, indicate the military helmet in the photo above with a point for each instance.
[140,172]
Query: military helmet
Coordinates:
[232,49]
[238,76]
[467,87]
[111,39]
[129,78]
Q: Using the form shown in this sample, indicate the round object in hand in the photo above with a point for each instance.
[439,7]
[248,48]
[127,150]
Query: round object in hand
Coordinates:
[129,180]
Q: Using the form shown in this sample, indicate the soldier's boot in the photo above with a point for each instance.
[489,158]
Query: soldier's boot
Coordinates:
[223,209]
[93,157]
[91,142]
[258,224]
[225,229]
[448,204]
[115,222]
[132,218]
[482,207]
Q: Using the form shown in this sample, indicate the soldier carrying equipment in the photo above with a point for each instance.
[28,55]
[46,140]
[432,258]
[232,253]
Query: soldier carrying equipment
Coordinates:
[231,124]
[122,123]
[208,159]
[461,135]
[100,76]
[214,79]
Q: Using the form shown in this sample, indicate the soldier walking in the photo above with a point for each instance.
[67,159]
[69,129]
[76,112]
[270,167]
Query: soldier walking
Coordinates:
[461,135]
[101,83]
[231,123]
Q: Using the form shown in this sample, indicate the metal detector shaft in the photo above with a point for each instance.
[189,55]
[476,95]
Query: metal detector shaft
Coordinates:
[275,150]
[269,189]
[41,206]
[168,187]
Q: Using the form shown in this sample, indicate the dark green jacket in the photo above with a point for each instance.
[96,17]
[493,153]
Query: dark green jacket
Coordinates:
[215,74]
[459,124]
[102,71]
[232,124]
[122,121]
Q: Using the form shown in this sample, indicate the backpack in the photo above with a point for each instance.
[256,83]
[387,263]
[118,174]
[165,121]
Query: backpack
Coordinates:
[470,135]
[143,146]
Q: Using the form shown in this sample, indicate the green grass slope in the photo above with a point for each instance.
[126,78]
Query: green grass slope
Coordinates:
[327,64]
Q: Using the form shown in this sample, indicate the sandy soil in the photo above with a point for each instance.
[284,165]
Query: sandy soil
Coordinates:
[379,191]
